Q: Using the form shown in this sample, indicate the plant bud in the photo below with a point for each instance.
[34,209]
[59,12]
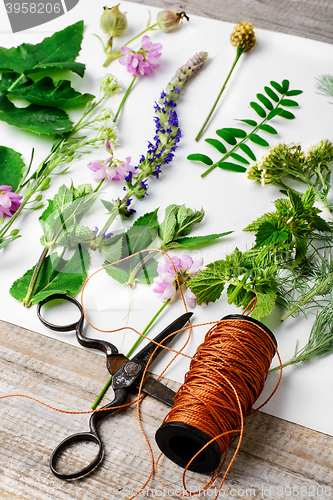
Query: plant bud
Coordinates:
[168,20]
[113,22]
[243,37]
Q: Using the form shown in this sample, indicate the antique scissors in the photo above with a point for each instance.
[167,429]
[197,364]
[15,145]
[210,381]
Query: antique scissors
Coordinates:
[126,375]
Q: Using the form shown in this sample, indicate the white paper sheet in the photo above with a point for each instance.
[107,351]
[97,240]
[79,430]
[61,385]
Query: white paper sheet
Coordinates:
[230,200]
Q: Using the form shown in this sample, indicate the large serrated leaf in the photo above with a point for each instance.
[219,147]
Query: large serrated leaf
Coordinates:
[56,52]
[42,121]
[45,93]
[57,276]
[11,167]
[258,109]
[194,241]
[167,229]
[200,157]
[149,219]
[264,305]
[207,286]
[217,145]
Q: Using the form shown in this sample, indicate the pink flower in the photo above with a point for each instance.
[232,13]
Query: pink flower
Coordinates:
[166,284]
[144,60]
[9,202]
[111,170]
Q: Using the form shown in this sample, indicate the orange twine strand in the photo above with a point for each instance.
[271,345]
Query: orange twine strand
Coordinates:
[226,376]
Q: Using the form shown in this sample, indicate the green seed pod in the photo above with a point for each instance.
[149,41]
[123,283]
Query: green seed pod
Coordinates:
[168,20]
[14,232]
[45,184]
[113,22]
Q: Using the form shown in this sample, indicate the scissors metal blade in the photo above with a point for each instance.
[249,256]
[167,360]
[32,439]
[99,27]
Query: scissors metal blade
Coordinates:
[164,338]
[158,390]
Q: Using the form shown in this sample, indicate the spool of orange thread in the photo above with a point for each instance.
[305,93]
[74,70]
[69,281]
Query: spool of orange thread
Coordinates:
[226,377]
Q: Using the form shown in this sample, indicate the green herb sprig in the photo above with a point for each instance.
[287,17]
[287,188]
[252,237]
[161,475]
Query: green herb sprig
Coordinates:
[268,106]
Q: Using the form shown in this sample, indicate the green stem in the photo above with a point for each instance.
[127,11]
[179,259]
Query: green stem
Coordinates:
[124,98]
[99,185]
[132,349]
[238,54]
[16,82]
[257,127]
[32,284]
[315,291]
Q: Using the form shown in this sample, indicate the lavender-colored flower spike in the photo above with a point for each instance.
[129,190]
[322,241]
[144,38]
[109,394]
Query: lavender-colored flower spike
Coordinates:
[167,135]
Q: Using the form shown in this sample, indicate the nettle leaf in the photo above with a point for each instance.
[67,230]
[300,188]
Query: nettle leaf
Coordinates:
[45,93]
[112,249]
[264,306]
[207,285]
[56,52]
[267,234]
[258,109]
[227,136]
[200,157]
[268,129]
[194,241]
[258,140]
[42,121]
[11,167]
[233,167]
[271,94]
[217,145]
[56,276]
[186,219]
[149,219]
[266,102]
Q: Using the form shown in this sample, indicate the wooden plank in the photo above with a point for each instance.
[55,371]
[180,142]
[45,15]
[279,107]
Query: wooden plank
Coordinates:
[306,18]
[276,457]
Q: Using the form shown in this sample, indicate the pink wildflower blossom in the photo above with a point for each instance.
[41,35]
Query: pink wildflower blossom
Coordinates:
[111,170]
[144,60]
[9,202]
[166,284]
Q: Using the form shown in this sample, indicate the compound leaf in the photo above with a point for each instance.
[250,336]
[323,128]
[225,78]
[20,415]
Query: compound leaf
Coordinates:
[200,157]
[258,109]
[258,140]
[217,145]
[266,102]
[230,139]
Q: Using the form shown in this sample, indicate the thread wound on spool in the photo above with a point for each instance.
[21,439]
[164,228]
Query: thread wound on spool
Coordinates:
[226,377]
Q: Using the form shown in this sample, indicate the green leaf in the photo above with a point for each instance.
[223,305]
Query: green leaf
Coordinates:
[258,140]
[57,276]
[291,93]
[230,139]
[45,93]
[236,132]
[274,112]
[56,52]
[268,129]
[271,94]
[194,241]
[233,167]
[148,220]
[285,86]
[42,121]
[207,285]
[248,151]
[266,102]
[277,87]
[288,102]
[264,306]
[108,205]
[138,238]
[167,229]
[178,222]
[6,241]
[258,109]
[240,158]
[11,167]
[286,114]
[252,123]
[200,157]
[267,234]
[217,145]
[112,252]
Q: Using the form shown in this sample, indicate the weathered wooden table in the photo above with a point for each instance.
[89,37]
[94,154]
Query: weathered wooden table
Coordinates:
[278,459]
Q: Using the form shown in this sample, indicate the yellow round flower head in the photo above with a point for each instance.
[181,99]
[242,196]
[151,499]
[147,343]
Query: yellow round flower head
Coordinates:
[243,37]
